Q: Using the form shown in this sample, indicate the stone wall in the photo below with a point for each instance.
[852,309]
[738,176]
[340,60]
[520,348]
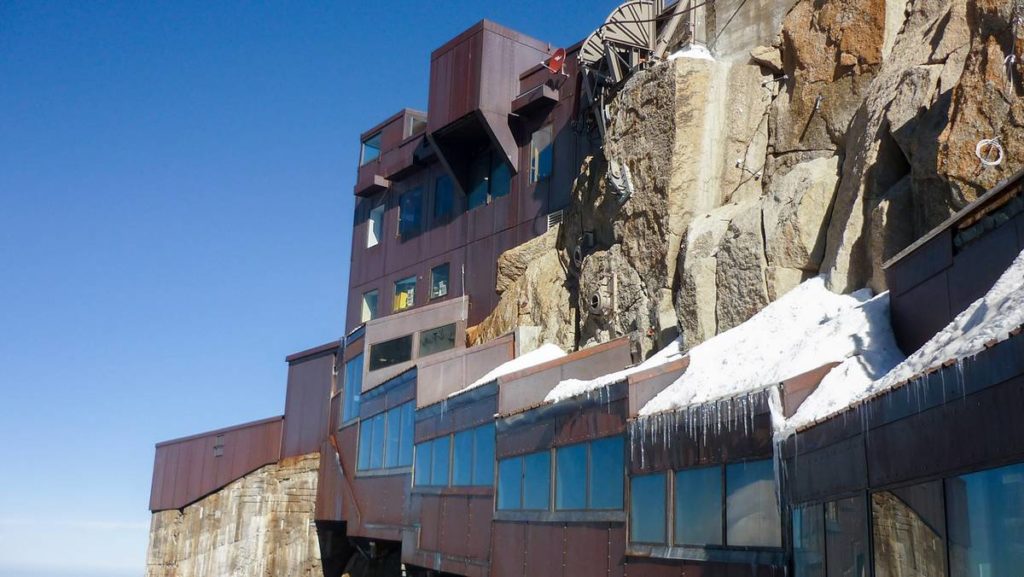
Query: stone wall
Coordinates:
[260,526]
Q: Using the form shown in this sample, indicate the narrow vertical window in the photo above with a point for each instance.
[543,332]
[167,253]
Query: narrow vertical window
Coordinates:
[408,417]
[377,448]
[809,542]
[607,471]
[410,213]
[986,522]
[405,294]
[370,149]
[439,281]
[541,154]
[424,463]
[353,388]
[751,505]
[537,481]
[393,436]
[444,198]
[698,514]
[483,463]
[571,477]
[479,174]
[647,509]
[375,226]
[369,311]
[365,444]
[510,484]
[441,459]
[501,177]
[846,538]
[462,458]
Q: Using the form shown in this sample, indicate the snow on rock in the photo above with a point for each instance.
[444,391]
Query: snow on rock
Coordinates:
[573,387]
[806,328]
[692,51]
[542,354]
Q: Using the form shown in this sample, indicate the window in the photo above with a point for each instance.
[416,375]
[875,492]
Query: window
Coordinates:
[472,459]
[437,340]
[647,508]
[416,125]
[537,481]
[440,460]
[353,389]
[424,462]
[510,484]
[986,522]
[370,299]
[541,155]
[751,505]
[808,541]
[444,198]
[462,458]
[483,455]
[405,294]
[370,149]
[846,537]
[385,440]
[374,226]
[389,353]
[489,177]
[585,475]
[439,281]
[909,531]
[698,497]
[410,213]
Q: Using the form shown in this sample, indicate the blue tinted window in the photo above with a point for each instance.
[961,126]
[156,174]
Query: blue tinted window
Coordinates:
[405,445]
[377,447]
[698,519]
[444,198]
[422,469]
[483,464]
[606,473]
[846,538]
[808,542]
[537,480]
[410,213]
[353,386]
[462,458]
[501,177]
[510,483]
[986,522]
[541,154]
[571,477]
[365,443]
[476,194]
[393,437]
[647,509]
[751,505]
[442,451]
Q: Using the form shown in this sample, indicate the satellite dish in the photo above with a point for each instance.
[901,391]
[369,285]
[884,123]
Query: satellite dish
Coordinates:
[556,62]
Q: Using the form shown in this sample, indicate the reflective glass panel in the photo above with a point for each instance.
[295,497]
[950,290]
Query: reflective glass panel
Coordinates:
[537,481]
[371,149]
[437,340]
[846,538]
[751,505]
[501,177]
[462,458]
[647,508]
[365,443]
[422,469]
[390,352]
[353,388]
[441,459]
[986,522]
[476,194]
[808,541]
[909,536]
[698,519]
[444,198]
[439,281]
[571,477]
[393,437]
[405,446]
[607,473]
[377,448]
[541,155]
[510,483]
[410,213]
[483,463]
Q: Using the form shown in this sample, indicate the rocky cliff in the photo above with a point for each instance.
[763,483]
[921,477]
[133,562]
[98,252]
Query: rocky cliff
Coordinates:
[260,525]
[824,151]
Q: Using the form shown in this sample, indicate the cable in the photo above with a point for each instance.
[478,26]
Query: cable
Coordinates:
[985,156]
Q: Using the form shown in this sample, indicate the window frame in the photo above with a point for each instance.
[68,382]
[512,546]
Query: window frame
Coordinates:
[364,308]
[448,280]
[350,403]
[370,362]
[363,145]
[375,225]
[366,449]
[446,192]
[534,176]
[394,294]
[414,198]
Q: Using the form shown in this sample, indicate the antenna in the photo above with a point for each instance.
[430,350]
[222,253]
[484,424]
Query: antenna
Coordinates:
[557,62]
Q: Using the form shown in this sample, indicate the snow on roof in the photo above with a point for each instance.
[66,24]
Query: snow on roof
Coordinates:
[806,328]
[573,387]
[991,318]
[542,354]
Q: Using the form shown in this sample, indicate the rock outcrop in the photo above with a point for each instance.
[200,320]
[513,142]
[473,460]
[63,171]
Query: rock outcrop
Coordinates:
[260,526]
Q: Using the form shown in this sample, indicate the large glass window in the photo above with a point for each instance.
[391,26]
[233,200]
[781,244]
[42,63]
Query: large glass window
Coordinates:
[607,473]
[698,506]
[751,505]
[370,149]
[441,460]
[909,535]
[410,213]
[424,464]
[390,353]
[647,508]
[369,312]
[437,339]
[439,281]
[489,177]
[986,522]
[571,477]
[809,542]
[353,389]
[541,154]
[375,226]
[510,484]
[405,293]
[846,537]
[444,198]
[462,458]
[483,455]
[385,440]
[537,481]
[501,177]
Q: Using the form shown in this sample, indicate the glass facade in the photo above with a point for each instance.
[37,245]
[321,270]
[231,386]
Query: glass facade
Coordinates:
[537,481]
[698,506]
[439,281]
[647,508]
[440,461]
[510,484]
[751,505]
[437,340]
[908,526]
[353,389]
[370,149]
[808,541]
[390,353]
[571,477]
[385,440]
[410,213]
[607,473]
[986,522]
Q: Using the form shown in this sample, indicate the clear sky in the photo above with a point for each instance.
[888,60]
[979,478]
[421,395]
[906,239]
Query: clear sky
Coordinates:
[175,200]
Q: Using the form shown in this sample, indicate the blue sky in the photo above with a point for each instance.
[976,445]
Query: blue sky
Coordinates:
[175,199]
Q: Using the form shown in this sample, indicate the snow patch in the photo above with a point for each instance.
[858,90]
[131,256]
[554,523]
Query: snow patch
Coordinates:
[574,387]
[692,51]
[540,355]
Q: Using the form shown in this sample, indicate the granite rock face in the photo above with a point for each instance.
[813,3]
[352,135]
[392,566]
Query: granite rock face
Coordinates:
[259,526]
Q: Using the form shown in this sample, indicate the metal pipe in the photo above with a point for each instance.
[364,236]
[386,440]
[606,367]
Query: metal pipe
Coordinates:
[661,46]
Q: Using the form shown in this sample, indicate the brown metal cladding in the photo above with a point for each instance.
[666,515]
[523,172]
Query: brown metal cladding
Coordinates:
[508,549]
[185,470]
[586,549]
[372,506]
[307,404]
[544,549]
[646,385]
[329,485]
[442,374]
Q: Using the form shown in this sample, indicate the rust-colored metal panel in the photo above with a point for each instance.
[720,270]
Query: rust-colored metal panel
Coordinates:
[921,311]
[187,469]
[443,374]
[646,385]
[616,551]
[544,555]
[586,550]
[481,512]
[430,523]
[454,525]
[307,403]
[329,485]
[508,549]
